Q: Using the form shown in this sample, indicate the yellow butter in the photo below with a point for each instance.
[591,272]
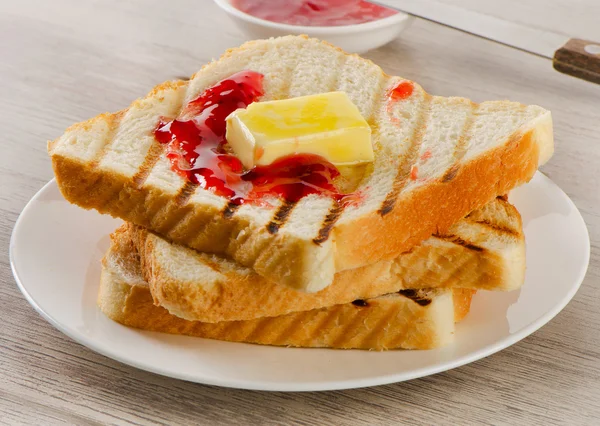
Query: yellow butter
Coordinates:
[327,124]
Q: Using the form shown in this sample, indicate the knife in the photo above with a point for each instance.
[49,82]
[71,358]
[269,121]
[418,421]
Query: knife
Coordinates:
[578,58]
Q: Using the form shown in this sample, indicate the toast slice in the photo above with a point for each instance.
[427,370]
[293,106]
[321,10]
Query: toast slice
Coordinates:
[420,319]
[486,250]
[436,160]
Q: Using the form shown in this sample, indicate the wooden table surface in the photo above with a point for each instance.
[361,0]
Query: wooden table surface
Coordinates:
[64,61]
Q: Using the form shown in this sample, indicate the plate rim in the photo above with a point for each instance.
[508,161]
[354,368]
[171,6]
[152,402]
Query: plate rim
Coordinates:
[265,385]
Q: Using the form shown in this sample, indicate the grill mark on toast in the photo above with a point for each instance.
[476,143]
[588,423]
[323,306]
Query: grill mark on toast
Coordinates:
[208,261]
[380,325]
[461,145]
[265,301]
[341,63]
[281,216]
[262,252]
[506,227]
[152,157]
[154,206]
[410,250]
[415,296]
[190,220]
[114,123]
[459,241]
[175,213]
[412,155]
[230,209]
[395,339]
[228,325]
[334,214]
[458,269]
[460,148]
[337,209]
[161,215]
[381,93]
[377,99]
[258,328]
[110,196]
[346,330]
[450,173]
[238,240]
[333,84]
[496,227]
[184,194]
[289,329]
[449,279]
[285,77]
[483,279]
[323,324]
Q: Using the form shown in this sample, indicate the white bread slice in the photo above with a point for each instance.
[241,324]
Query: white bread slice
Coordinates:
[436,160]
[486,250]
[420,319]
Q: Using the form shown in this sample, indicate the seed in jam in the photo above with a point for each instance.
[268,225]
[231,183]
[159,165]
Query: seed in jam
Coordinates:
[196,147]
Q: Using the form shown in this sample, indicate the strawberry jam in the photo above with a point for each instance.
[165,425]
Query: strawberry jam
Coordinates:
[294,177]
[197,149]
[401,91]
[314,12]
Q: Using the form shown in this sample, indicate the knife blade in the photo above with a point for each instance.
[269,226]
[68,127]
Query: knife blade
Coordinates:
[576,57]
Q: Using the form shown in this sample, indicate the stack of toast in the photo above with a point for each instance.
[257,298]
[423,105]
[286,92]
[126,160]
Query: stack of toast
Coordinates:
[427,225]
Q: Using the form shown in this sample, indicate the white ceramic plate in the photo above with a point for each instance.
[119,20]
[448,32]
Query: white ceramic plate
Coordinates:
[55,255]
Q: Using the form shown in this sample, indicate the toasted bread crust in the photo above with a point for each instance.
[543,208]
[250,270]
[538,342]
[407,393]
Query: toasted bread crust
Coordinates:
[509,166]
[483,251]
[397,232]
[387,322]
[293,260]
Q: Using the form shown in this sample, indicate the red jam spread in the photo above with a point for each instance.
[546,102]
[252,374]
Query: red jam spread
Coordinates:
[294,177]
[401,91]
[414,172]
[196,147]
[426,155]
[314,13]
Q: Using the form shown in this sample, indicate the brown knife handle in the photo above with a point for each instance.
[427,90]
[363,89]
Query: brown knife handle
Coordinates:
[579,58]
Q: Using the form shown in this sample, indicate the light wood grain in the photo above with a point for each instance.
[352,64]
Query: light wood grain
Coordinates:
[577,19]
[67,60]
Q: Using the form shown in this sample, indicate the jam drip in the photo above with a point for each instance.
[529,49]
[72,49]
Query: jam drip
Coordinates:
[196,140]
[196,147]
[294,177]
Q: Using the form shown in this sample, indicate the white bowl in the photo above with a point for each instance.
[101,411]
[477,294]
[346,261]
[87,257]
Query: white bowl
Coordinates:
[351,38]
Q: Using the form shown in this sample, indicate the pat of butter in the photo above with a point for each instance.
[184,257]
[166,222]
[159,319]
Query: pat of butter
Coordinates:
[327,124]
